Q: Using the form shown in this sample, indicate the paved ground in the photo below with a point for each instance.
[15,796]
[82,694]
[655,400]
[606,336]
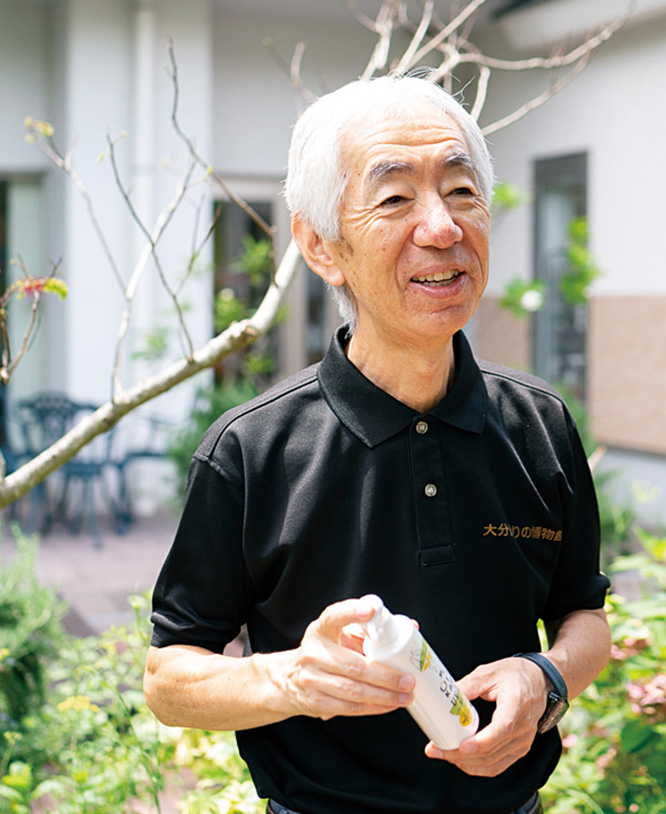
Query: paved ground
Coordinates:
[97,581]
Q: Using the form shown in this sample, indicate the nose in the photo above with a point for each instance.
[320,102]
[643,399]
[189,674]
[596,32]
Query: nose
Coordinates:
[436,227]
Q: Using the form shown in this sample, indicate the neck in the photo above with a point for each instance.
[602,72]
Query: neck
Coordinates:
[418,377]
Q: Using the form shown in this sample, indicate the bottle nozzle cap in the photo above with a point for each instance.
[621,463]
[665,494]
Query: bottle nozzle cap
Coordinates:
[372,626]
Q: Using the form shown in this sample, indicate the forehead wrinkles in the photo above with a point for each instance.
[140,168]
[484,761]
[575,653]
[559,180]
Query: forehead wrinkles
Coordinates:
[407,127]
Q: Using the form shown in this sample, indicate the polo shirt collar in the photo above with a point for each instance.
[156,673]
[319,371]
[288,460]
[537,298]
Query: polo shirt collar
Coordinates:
[374,416]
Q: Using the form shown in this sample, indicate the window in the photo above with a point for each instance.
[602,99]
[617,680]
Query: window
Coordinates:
[560,328]
[233,229]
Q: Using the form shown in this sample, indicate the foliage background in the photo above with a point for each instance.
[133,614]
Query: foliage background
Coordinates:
[77,736]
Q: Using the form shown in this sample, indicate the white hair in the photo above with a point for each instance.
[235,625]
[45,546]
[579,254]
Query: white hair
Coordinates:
[316,178]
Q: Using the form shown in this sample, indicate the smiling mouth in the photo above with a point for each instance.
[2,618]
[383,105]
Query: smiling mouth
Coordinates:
[438,279]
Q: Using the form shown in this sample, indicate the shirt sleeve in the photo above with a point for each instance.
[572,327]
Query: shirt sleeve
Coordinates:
[202,590]
[578,583]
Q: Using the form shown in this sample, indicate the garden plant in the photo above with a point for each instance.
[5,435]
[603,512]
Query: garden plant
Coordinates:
[77,736]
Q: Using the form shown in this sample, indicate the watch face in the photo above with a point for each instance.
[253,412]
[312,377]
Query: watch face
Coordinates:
[556,708]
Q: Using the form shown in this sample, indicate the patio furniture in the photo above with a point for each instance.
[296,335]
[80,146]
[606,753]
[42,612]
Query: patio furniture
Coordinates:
[44,419]
[148,441]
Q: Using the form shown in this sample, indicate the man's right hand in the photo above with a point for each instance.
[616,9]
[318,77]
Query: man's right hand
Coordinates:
[327,675]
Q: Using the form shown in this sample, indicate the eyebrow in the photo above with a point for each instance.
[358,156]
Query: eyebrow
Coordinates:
[460,160]
[385,169]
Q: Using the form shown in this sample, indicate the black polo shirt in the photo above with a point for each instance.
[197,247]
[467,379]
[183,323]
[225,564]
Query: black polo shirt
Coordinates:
[477,519]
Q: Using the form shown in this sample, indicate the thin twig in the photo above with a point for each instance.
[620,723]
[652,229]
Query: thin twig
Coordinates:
[11,362]
[552,62]
[291,69]
[153,240]
[64,163]
[417,39]
[523,110]
[196,250]
[449,29]
[130,292]
[481,92]
[268,230]
[443,71]
[383,27]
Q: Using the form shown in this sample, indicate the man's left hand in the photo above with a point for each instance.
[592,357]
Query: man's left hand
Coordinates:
[519,690]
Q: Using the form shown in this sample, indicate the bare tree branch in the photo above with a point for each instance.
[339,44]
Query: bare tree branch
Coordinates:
[450,45]
[47,146]
[34,287]
[481,92]
[268,230]
[153,240]
[539,100]
[130,291]
[446,32]
[590,44]
[237,336]
[385,24]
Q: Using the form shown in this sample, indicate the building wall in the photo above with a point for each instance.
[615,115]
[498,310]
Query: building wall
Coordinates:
[613,112]
[627,371]
[501,337]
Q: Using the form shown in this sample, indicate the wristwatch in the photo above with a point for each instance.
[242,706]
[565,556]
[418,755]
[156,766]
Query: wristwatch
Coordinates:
[558,697]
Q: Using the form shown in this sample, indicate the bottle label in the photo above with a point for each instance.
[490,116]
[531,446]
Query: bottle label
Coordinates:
[423,659]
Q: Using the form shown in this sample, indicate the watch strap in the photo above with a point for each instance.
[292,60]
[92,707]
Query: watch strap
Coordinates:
[551,672]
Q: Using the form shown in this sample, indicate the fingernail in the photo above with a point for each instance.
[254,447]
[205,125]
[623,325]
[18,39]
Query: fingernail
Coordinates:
[407,683]
[406,698]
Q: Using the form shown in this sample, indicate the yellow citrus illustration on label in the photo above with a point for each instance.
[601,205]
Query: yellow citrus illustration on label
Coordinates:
[426,657]
[465,716]
[462,710]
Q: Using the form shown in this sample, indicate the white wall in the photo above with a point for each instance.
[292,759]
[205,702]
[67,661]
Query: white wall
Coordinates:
[23,82]
[615,111]
[255,106]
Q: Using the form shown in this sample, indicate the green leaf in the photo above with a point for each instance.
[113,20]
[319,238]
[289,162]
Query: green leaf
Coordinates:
[635,735]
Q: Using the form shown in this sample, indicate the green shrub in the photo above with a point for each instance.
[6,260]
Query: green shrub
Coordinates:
[615,735]
[30,633]
[89,743]
[84,740]
[92,745]
[210,404]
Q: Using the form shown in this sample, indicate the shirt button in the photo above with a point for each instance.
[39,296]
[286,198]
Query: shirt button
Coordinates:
[431,490]
[422,427]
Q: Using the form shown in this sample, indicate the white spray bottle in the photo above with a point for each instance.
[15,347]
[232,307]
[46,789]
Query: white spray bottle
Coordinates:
[439,707]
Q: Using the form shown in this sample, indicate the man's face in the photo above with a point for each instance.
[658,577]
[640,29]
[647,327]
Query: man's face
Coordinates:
[414,245]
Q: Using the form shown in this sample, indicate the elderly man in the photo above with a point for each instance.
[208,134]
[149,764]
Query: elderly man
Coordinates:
[399,466]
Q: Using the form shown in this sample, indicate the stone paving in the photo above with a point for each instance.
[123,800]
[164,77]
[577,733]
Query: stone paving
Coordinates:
[97,581]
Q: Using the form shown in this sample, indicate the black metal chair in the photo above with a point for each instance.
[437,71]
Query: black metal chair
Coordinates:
[44,419]
[149,441]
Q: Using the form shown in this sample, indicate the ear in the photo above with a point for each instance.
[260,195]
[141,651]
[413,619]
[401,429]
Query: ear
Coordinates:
[316,252]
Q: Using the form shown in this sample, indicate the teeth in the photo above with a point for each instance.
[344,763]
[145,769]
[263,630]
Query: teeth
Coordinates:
[438,277]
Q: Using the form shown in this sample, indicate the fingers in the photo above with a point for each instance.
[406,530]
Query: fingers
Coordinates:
[336,617]
[485,760]
[328,674]
[520,697]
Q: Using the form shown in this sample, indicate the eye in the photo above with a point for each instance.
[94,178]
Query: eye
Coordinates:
[463,191]
[393,200]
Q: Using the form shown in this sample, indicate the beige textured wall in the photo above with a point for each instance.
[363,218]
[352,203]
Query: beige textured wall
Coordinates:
[627,371]
[501,337]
